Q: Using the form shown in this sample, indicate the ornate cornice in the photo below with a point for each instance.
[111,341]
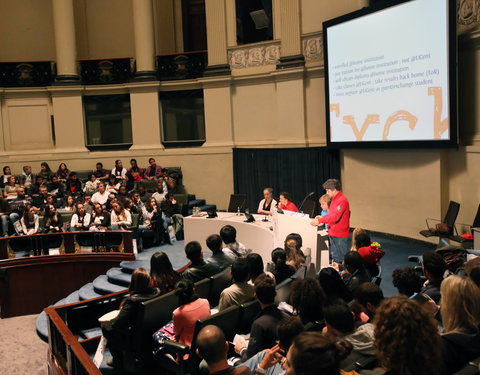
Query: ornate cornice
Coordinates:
[254,55]
[312,48]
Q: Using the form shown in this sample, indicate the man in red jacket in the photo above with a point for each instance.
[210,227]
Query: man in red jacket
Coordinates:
[338,220]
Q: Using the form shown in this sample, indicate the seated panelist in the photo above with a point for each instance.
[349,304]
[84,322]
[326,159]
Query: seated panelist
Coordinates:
[286,203]
[267,204]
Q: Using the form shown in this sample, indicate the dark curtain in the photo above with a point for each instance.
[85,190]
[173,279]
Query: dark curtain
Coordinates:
[298,171]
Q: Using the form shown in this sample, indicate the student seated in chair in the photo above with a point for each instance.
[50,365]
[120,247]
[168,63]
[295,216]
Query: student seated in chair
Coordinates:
[213,348]
[368,296]
[233,248]
[355,272]
[198,269]
[140,290]
[219,258]
[434,268]
[80,219]
[240,291]
[263,333]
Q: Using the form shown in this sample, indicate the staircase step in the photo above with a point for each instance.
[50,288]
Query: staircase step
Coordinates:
[116,276]
[102,286]
[196,203]
[130,266]
[72,298]
[191,197]
[87,292]
[206,207]
[41,325]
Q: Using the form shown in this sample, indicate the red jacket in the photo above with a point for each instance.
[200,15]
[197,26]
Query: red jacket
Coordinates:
[338,218]
[290,206]
[371,254]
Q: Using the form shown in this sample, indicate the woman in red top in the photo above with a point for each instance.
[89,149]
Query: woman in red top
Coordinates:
[286,203]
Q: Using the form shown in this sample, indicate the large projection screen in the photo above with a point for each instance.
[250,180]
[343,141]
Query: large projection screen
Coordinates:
[390,76]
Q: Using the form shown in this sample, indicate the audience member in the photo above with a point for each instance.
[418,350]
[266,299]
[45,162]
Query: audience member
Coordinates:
[73,184]
[340,325]
[35,189]
[406,338]
[118,171]
[40,200]
[460,307]
[91,185]
[100,219]
[369,252]
[164,277]
[140,290]
[80,219]
[198,268]
[434,268]
[149,216]
[232,248]
[153,171]
[10,188]
[240,291]
[101,196]
[55,188]
[112,184]
[63,172]
[130,183]
[407,281]
[135,170]
[120,218]
[355,233]
[472,269]
[333,285]
[355,272]
[307,299]
[255,266]
[369,296]
[280,269]
[19,204]
[288,328]
[293,248]
[219,258]
[69,203]
[137,202]
[267,204]
[5,211]
[213,348]
[122,193]
[53,220]
[190,310]
[100,173]
[161,191]
[27,179]
[45,171]
[285,202]
[87,203]
[171,213]
[263,333]
[7,172]
[29,221]
[310,354]
[144,195]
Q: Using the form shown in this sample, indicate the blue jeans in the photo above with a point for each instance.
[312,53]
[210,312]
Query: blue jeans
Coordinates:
[338,248]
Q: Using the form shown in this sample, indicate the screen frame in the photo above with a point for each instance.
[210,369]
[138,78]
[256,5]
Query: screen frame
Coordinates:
[452,82]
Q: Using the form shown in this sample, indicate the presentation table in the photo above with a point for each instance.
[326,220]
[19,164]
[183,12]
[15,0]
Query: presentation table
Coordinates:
[259,236]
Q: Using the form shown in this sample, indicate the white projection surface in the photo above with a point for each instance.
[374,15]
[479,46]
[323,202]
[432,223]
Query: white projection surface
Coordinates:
[388,75]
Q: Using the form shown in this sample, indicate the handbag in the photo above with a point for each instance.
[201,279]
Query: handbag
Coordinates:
[441,228]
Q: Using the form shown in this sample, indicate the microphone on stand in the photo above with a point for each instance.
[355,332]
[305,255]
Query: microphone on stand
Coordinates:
[304,199]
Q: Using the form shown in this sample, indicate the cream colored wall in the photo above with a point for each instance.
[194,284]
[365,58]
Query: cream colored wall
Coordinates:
[104,29]
[165,34]
[26,30]
[314,12]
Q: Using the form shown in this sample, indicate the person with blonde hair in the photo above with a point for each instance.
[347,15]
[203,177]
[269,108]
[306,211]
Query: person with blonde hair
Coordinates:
[460,307]
[355,233]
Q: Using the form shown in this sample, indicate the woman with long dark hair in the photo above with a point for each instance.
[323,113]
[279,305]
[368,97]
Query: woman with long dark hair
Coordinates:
[164,277]
[29,221]
[53,220]
[280,269]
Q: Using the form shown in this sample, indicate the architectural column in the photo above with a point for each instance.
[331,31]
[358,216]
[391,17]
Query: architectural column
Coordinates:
[65,46]
[291,44]
[144,40]
[216,38]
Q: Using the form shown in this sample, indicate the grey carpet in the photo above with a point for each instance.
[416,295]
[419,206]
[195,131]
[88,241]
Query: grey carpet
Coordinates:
[21,350]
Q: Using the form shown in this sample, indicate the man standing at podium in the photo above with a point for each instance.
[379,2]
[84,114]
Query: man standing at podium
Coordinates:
[338,220]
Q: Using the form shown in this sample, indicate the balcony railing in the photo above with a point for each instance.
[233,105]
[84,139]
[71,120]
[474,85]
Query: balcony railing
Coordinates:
[188,65]
[105,71]
[26,74]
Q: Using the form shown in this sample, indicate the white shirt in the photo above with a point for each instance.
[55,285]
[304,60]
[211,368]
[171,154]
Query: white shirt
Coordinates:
[100,198]
[116,220]
[123,173]
[86,221]
[272,205]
